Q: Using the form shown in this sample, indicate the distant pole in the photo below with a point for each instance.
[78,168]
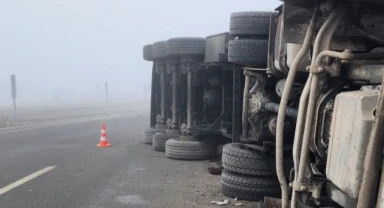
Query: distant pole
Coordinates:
[98,93]
[106,92]
[13,91]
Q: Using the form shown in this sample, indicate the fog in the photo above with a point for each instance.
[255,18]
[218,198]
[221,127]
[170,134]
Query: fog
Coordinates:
[60,50]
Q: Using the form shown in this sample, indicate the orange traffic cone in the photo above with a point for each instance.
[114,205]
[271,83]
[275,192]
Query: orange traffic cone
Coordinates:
[103,138]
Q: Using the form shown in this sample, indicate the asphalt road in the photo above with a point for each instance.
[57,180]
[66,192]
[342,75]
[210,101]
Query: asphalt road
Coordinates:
[61,166]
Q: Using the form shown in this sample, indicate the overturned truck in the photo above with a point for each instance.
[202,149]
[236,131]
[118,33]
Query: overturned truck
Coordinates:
[296,94]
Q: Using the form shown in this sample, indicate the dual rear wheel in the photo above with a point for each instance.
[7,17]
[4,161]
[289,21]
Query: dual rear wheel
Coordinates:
[248,173]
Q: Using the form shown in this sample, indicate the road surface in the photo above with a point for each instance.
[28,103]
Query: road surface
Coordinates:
[60,166]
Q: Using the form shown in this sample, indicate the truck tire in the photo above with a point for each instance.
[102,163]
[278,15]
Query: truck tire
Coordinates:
[189,150]
[247,187]
[148,134]
[159,140]
[186,47]
[148,52]
[238,158]
[251,53]
[159,50]
[250,23]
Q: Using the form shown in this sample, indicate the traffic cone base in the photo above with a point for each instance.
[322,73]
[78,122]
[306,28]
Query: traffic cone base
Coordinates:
[103,144]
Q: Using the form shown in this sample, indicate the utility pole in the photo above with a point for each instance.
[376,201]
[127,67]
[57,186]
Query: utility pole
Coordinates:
[98,93]
[13,91]
[106,92]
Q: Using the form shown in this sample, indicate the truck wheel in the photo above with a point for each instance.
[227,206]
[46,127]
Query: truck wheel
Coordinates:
[159,140]
[186,47]
[238,158]
[148,134]
[148,52]
[247,187]
[159,50]
[189,150]
[251,53]
[250,23]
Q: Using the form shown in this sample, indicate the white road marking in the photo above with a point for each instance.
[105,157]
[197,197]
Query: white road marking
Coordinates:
[26,179]
[69,122]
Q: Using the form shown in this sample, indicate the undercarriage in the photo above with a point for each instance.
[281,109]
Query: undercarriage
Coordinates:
[296,95]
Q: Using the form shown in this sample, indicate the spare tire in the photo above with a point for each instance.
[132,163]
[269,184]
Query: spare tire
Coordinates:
[160,50]
[243,159]
[148,134]
[148,52]
[186,47]
[250,23]
[189,150]
[247,187]
[251,53]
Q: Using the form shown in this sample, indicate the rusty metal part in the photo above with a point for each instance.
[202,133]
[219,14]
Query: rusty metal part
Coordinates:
[373,158]
[282,109]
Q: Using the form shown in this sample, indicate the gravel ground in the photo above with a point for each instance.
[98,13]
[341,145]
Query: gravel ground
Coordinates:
[153,180]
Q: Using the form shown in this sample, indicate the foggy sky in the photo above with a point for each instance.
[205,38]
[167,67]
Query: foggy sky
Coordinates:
[67,47]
